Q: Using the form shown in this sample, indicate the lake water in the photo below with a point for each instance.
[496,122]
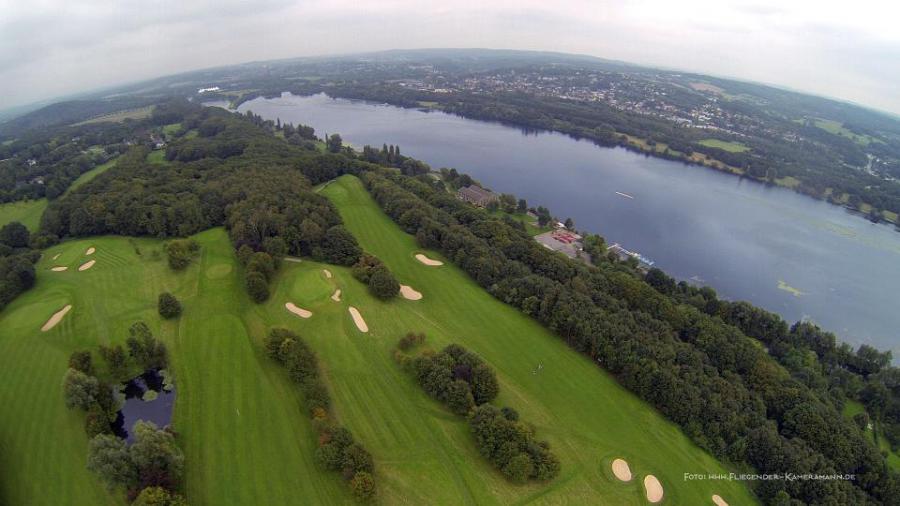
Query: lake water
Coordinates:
[746,240]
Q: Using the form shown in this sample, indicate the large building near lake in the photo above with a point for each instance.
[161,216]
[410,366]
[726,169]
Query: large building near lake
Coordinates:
[477,195]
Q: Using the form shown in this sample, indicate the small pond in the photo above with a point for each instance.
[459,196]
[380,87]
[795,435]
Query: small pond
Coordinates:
[149,397]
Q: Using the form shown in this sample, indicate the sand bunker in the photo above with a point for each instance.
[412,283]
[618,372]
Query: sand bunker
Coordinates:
[653,488]
[336,296]
[56,318]
[358,320]
[427,261]
[621,470]
[299,311]
[87,265]
[59,268]
[408,293]
[718,500]
[90,251]
[56,256]
[327,273]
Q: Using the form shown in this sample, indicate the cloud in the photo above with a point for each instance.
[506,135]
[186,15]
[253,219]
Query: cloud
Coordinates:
[845,50]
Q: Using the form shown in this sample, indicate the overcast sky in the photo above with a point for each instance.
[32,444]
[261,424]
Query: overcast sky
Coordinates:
[843,49]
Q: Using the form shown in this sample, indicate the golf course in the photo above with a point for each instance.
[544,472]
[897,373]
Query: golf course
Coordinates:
[241,422]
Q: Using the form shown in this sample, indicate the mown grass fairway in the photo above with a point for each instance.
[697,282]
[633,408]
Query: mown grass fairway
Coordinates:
[26,212]
[241,423]
[244,433]
[423,453]
[730,146]
[91,174]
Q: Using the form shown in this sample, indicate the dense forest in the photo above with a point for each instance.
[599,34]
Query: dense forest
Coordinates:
[704,373]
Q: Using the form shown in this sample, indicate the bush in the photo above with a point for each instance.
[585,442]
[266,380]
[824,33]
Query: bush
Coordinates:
[158,496]
[168,306]
[363,486]
[180,252]
[362,270]
[383,284]
[81,361]
[96,422]
[411,339]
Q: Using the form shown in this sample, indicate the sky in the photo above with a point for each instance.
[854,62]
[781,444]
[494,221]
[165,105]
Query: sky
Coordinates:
[840,49]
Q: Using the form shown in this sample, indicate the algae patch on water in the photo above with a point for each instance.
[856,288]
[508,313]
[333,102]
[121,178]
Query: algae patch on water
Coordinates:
[796,292]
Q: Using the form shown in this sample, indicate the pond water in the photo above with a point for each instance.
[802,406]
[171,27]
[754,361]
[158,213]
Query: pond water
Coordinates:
[148,397]
[788,253]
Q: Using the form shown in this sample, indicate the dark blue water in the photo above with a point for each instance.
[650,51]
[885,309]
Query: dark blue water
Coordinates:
[158,410]
[738,236]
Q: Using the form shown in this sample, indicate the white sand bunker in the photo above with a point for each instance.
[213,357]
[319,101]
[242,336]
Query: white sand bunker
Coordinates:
[653,488]
[90,251]
[327,273]
[336,296]
[56,318]
[408,293]
[718,500]
[59,268]
[87,265]
[621,470]
[427,261]
[358,320]
[299,311]
[56,256]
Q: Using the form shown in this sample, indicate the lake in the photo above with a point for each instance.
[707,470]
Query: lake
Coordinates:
[788,253]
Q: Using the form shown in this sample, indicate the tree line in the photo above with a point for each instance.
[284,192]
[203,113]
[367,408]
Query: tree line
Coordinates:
[463,382]
[706,375]
[338,450]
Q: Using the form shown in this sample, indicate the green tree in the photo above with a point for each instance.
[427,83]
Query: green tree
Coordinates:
[244,253]
[158,496]
[484,384]
[79,389]
[109,458]
[154,454]
[14,235]
[363,486]
[383,284]
[168,306]
[339,247]
[81,360]
[257,287]
[519,468]
[459,397]
[334,143]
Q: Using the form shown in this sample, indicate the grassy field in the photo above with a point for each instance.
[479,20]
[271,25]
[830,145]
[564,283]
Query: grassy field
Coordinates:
[837,128]
[851,408]
[730,146]
[158,157]
[120,116]
[26,212]
[241,423]
[91,174]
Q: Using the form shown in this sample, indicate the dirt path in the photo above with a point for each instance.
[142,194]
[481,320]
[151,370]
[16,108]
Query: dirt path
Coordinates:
[56,318]
[336,296]
[408,293]
[59,268]
[653,488]
[358,320]
[427,261]
[621,470]
[299,311]
[87,265]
